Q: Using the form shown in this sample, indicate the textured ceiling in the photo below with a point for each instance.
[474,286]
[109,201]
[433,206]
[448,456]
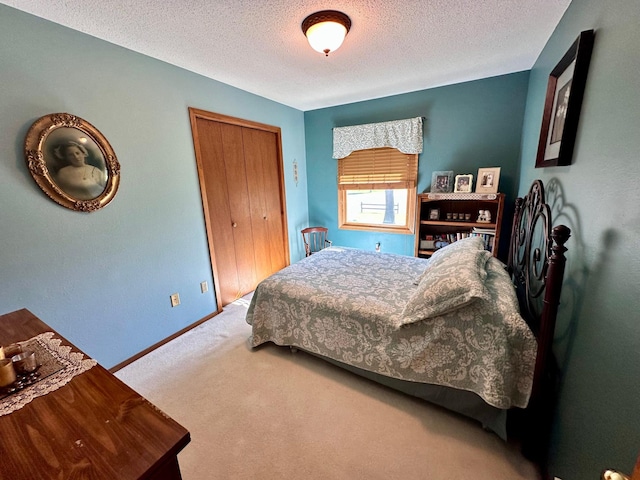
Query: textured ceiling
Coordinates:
[394,46]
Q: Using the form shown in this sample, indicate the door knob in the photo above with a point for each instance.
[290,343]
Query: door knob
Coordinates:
[234,224]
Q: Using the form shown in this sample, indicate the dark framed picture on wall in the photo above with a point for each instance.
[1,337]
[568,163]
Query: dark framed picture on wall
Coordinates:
[565,90]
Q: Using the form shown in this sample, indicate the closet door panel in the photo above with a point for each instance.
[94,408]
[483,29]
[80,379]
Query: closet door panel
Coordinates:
[214,175]
[275,202]
[259,157]
[240,207]
[269,166]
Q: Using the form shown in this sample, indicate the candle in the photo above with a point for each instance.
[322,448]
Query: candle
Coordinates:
[7,373]
[2,353]
[25,362]
[11,350]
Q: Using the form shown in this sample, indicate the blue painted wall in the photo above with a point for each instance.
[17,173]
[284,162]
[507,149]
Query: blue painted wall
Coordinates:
[598,335]
[467,126]
[103,279]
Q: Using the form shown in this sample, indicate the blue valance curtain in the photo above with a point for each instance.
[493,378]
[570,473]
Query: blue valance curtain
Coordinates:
[405,135]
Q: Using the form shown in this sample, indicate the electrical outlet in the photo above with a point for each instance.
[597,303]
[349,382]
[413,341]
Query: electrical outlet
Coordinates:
[204,287]
[175,300]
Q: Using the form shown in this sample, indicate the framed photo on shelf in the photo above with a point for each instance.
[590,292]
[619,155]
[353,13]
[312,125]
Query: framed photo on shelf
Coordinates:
[434,214]
[563,101]
[463,183]
[488,179]
[442,182]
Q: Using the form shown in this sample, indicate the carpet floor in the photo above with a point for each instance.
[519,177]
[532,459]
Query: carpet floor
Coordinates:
[270,414]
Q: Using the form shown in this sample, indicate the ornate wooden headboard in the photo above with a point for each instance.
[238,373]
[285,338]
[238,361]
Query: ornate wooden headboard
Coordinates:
[536,263]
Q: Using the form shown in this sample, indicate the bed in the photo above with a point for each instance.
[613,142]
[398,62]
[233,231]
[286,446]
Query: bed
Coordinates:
[461,329]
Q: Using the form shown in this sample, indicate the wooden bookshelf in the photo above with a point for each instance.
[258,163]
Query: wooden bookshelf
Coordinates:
[442,218]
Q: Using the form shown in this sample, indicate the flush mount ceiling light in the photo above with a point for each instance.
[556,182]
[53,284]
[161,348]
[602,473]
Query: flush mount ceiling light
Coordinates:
[325,30]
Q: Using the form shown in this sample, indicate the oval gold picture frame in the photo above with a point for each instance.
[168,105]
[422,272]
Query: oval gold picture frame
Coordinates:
[72,162]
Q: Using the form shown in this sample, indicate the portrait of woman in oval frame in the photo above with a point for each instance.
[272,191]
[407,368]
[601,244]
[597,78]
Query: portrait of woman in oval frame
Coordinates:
[72,162]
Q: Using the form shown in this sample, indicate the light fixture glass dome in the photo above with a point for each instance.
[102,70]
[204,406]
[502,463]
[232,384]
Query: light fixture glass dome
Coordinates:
[326,37]
[326,30]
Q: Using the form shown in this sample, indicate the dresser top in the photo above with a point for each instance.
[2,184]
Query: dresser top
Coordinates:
[95,426]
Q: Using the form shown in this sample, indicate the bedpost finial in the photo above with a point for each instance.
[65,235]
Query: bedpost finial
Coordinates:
[560,235]
[519,202]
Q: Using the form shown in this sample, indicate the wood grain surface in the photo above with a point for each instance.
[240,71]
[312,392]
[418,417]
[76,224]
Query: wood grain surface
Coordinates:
[94,427]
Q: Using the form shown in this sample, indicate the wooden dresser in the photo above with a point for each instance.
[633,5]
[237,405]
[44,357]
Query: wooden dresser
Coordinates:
[94,427]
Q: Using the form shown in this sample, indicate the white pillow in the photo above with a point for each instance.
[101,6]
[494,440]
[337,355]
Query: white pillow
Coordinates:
[453,278]
[469,243]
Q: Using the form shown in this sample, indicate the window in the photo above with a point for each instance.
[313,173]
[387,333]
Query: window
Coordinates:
[377,190]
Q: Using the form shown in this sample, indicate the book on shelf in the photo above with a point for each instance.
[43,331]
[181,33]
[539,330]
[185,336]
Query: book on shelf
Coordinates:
[434,242]
[484,231]
[487,239]
[427,244]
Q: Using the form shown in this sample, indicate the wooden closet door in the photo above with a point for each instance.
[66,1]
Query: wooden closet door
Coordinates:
[240,228]
[242,187]
[267,214]
[220,162]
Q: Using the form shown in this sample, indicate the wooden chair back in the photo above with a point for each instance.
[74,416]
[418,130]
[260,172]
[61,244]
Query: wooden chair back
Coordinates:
[315,239]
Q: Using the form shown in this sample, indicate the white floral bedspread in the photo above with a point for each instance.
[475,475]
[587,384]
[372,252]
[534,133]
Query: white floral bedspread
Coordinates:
[342,304]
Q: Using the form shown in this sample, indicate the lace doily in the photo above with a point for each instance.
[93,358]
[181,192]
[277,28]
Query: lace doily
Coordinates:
[463,196]
[58,366]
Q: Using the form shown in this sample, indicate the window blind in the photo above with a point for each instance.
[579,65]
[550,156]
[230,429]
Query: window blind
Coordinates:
[377,169]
